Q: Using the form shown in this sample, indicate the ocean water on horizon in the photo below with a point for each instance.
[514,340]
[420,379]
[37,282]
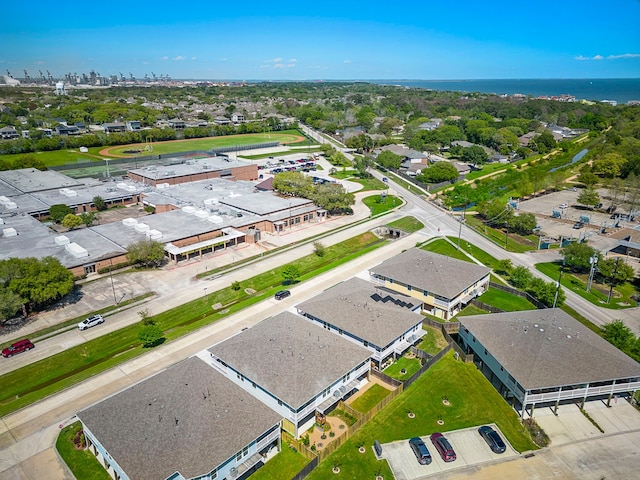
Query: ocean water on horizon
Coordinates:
[621,90]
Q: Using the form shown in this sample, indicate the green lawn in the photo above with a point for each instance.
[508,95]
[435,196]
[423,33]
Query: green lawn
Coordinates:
[433,341]
[443,247]
[407,224]
[82,463]
[377,206]
[175,146]
[621,297]
[473,402]
[471,310]
[60,157]
[479,254]
[409,365]
[260,156]
[33,382]
[284,465]
[505,301]
[369,399]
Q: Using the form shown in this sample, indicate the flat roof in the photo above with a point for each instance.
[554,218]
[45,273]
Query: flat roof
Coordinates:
[432,272]
[217,193]
[188,418]
[34,239]
[29,180]
[548,348]
[189,167]
[368,312]
[290,357]
[173,225]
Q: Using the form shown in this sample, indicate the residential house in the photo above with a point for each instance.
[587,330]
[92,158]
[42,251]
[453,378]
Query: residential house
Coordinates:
[187,422]
[222,121]
[381,320]
[8,133]
[546,357]
[237,118]
[298,369]
[114,127]
[176,123]
[443,285]
[64,130]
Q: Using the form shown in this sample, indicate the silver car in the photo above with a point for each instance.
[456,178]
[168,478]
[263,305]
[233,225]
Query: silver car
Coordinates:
[92,321]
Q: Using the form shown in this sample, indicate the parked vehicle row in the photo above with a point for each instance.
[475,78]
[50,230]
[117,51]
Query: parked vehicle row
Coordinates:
[446,451]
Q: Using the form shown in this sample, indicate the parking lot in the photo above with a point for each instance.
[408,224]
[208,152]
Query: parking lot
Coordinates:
[469,446]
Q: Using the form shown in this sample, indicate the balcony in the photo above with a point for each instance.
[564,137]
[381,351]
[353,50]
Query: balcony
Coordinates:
[582,392]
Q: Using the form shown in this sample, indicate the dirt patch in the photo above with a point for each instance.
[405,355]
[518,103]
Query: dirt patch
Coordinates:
[334,425]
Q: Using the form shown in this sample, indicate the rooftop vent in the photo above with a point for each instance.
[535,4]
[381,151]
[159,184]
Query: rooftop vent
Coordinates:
[62,240]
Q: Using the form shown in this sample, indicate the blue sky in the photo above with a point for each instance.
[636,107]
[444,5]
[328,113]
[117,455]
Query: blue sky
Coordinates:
[342,40]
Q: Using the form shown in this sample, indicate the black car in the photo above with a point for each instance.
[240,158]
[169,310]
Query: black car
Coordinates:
[578,225]
[420,450]
[493,439]
[282,294]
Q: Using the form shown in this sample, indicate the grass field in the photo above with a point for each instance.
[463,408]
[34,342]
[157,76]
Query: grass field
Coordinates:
[370,398]
[442,247]
[473,402]
[409,365]
[174,146]
[82,463]
[284,465]
[433,341]
[407,224]
[377,206]
[505,301]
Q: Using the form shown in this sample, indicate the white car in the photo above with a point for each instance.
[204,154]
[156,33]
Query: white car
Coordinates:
[92,321]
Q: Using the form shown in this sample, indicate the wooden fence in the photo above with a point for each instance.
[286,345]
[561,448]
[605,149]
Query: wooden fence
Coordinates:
[484,306]
[448,326]
[307,469]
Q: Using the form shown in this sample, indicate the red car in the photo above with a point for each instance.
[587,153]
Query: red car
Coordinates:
[443,446]
[17,347]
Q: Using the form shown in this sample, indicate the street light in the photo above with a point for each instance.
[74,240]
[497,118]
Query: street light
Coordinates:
[464,211]
[593,261]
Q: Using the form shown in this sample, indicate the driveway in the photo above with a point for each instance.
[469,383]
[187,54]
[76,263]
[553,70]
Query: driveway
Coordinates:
[470,450]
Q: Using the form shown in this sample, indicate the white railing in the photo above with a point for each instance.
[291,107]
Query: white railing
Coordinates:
[272,437]
[582,392]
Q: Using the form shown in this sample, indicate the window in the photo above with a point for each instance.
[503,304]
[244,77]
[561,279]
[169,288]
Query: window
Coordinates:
[485,351]
[425,293]
[409,287]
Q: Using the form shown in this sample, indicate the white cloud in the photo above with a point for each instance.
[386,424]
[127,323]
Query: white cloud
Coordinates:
[293,60]
[624,55]
[178,58]
[164,58]
[347,61]
[224,59]
[278,65]
[289,65]
[609,57]
[193,58]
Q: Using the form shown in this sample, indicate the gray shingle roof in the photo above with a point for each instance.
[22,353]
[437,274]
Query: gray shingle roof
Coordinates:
[290,357]
[547,348]
[368,312]
[188,418]
[434,273]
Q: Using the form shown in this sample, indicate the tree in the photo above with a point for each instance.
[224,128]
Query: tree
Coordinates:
[290,273]
[474,155]
[389,160]
[148,253]
[520,277]
[495,212]
[319,249]
[99,203]
[523,223]
[615,270]
[362,165]
[10,304]
[295,184]
[235,286]
[589,197]
[150,335]
[88,218]
[71,221]
[618,334]
[577,255]
[438,172]
[333,198]
[545,292]
[609,165]
[37,282]
[505,266]
[588,178]
[59,211]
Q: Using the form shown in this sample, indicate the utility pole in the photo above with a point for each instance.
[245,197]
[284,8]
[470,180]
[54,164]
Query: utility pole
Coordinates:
[555,298]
